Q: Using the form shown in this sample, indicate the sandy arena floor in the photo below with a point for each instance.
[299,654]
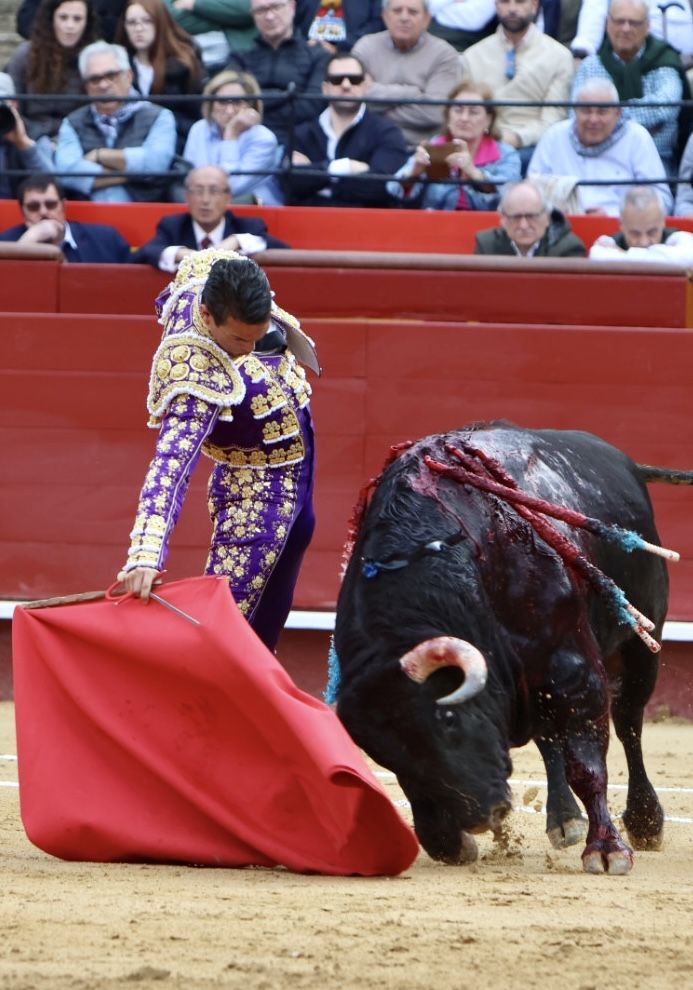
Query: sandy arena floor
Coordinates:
[527,917]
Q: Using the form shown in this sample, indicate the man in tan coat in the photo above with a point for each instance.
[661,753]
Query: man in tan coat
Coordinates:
[518,62]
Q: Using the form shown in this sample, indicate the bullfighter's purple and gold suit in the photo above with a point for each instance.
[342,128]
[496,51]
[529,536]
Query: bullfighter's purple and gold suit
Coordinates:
[251,416]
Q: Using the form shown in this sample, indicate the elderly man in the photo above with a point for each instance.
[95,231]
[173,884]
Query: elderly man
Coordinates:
[600,145]
[209,223]
[42,203]
[347,142]
[109,136]
[644,235]
[17,150]
[281,57]
[644,69]
[406,63]
[529,228]
[518,62]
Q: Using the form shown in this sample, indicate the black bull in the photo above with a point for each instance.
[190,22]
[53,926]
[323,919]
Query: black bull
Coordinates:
[544,654]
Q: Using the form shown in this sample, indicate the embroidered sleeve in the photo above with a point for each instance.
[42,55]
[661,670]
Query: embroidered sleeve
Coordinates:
[183,430]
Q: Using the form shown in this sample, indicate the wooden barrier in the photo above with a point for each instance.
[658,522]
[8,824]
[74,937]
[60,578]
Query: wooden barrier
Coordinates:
[76,448]
[369,284]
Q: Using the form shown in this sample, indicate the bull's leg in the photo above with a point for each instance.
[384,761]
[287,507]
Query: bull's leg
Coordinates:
[565,825]
[574,710]
[643,817]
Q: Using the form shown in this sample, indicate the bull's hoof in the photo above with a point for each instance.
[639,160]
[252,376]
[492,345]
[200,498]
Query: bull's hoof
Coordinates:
[614,858]
[468,852]
[646,843]
[568,833]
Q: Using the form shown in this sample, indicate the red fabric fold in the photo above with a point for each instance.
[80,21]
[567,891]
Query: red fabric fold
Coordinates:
[142,737]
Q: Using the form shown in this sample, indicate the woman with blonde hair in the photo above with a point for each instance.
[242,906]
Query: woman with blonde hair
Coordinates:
[164,60]
[231,135]
[467,150]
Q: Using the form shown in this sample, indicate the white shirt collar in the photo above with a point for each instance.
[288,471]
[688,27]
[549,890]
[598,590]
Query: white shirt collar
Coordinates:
[215,235]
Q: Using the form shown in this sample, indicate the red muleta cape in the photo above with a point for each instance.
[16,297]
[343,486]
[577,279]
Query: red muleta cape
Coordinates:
[144,738]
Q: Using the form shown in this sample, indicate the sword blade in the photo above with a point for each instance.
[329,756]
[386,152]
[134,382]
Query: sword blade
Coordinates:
[174,608]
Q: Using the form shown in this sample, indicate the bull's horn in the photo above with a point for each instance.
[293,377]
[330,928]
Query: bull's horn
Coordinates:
[447,651]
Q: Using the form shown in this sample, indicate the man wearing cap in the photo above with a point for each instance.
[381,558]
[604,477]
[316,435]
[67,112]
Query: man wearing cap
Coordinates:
[42,203]
[18,153]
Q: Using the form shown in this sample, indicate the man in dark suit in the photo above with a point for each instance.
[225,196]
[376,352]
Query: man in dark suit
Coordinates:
[43,206]
[209,223]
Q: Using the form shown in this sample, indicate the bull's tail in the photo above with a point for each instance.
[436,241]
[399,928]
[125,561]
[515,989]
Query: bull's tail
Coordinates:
[669,475]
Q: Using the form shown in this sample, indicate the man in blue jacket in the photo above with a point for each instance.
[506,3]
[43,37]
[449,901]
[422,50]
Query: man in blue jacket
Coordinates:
[42,203]
[208,223]
[334,154]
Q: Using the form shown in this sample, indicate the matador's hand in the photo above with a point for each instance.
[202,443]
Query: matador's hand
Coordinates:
[139,581]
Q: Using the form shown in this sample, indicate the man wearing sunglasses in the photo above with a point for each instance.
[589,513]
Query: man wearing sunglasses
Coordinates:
[334,154]
[42,203]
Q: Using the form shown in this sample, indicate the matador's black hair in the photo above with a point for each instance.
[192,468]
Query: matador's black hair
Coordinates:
[238,288]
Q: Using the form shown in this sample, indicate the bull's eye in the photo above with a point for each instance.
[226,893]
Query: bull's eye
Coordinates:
[448,716]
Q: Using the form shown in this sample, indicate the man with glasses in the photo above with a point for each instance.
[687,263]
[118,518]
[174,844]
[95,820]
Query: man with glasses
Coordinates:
[520,63]
[644,69]
[280,59]
[208,223]
[42,203]
[114,149]
[406,62]
[528,227]
[601,150]
[344,144]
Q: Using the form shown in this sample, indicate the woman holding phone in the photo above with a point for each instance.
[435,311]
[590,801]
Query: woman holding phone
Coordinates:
[467,151]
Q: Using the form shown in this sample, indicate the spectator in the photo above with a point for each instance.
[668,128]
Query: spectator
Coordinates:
[231,135]
[42,203]
[17,150]
[110,136]
[600,145]
[280,58]
[644,235]
[163,59]
[684,189]
[529,228]
[462,22]
[485,163]
[518,62]
[338,24]
[674,24]
[219,27]
[407,63]
[346,143]
[209,223]
[107,14]
[47,64]
[643,69]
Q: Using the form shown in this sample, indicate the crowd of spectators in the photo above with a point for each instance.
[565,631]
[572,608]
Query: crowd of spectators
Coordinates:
[425,104]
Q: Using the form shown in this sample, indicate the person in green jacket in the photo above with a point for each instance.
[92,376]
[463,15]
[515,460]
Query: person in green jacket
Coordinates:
[529,228]
[218,26]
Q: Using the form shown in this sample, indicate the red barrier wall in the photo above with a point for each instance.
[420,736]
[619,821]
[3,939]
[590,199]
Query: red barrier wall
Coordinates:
[441,287]
[76,448]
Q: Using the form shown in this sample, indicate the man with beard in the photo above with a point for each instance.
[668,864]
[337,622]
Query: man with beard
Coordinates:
[344,144]
[518,62]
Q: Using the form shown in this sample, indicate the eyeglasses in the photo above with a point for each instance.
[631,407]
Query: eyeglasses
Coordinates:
[103,77]
[198,191]
[271,8]
[138,22]
[529,217]
[354,78]
[629,22]
[34,205]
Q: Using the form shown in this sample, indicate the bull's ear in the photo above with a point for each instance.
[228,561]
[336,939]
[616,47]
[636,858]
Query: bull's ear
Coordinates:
[447,651]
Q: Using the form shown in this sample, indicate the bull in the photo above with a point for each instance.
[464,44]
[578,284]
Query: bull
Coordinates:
[519,558]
